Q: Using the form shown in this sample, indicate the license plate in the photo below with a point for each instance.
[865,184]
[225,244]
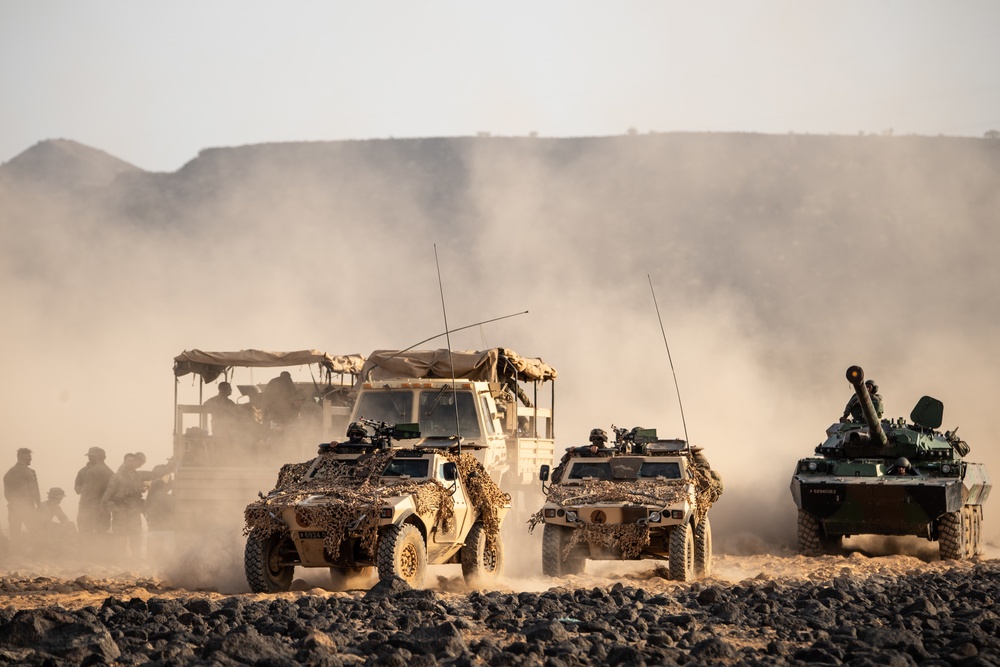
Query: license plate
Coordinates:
[311,535]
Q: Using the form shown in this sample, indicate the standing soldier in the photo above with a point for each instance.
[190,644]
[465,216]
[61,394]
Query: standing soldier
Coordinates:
[91,482]
[20,488]
[123,499]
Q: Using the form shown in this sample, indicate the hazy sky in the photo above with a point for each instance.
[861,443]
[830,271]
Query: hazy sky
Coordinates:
[153,83]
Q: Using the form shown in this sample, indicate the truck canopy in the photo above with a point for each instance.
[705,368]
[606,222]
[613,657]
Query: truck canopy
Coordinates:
[493,365]
[210,365]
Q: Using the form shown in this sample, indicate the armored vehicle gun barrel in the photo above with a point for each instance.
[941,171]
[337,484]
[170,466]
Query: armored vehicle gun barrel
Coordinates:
[856,376]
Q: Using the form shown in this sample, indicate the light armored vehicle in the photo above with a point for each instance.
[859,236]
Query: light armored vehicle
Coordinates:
[875,476]
[371,502]
[642,498]
[493,399]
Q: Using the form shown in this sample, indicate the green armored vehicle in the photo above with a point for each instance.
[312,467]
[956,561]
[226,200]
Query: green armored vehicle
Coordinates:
[642,498]
[874,476]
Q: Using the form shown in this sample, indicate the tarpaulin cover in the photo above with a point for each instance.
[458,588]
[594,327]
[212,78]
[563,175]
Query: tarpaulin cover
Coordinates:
[493,365]
[209,365]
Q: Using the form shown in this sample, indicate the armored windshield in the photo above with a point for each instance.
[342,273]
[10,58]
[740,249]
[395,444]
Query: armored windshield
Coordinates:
[437,413]
[667,470]
[604,470]
[393,406]
[408,467]
[597,470]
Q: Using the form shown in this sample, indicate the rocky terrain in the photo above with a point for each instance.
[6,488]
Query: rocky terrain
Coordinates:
[853,609]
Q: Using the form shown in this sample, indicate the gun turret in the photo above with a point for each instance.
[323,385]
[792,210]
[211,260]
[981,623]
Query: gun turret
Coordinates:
[856,376]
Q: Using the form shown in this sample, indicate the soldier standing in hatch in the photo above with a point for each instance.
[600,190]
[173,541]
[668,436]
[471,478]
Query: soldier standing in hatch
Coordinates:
[20,488]
[853,407]
[123,499]
[92,520]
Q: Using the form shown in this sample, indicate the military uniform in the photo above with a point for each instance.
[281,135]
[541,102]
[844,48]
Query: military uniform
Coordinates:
[20,488]
[853,407]
[91,483]
[123,499]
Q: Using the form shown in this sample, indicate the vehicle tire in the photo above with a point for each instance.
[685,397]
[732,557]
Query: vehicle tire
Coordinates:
[682,553]
[402,553]
[344,578]
[261,562]
[810,535]
[951,537]
[481,565]
[554,539]
[703,549]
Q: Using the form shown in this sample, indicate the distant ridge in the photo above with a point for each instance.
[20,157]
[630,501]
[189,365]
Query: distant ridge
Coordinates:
[65,164]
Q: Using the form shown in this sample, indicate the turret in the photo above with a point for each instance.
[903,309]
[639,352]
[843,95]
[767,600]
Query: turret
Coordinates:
[856,376]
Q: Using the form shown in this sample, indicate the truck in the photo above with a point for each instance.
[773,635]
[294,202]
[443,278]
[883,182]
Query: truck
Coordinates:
[874,476]
[641,498]
[222,460]
[494,400]
[388,499]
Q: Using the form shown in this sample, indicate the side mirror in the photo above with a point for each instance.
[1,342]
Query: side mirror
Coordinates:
[543,473]
[450,471]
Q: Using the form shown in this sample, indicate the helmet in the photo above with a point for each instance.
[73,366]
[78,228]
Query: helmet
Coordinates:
[872,387]
[902,462]
[598,435]
[357,429]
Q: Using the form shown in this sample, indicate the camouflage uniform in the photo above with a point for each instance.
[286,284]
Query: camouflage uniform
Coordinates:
[123,499]
[20,488]
[853,407]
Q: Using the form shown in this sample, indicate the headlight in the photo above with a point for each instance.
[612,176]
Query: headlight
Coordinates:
[812,466]
[946,468]
[654,517]
[571,516]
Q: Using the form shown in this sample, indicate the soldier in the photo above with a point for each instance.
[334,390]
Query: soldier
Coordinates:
[51,517]
[853,407]
[901,467]
[20,488]
[91,483]
[123,499]
[223,411]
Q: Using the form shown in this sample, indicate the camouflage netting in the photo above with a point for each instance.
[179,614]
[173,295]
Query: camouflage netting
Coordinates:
[635,492]
[707,490]
[630,538]
[351,493]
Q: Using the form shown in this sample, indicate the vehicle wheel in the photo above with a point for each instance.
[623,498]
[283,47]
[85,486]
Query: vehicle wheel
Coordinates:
[402,553]
[682,553]
[262,559]
[810,535]
[554,540]
[343,578]
[951,537]
[481,565]
[703,548]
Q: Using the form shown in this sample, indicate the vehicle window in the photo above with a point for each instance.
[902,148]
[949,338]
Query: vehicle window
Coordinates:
[668,470]
[437,413]
[490,426]
[411,467]
[595,470]
[392,407]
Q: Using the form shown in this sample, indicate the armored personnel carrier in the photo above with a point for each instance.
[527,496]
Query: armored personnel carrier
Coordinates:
[371,502]
[640,498]
[888,477]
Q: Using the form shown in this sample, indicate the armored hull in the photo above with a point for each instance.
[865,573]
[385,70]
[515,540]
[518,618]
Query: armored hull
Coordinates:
[855,485]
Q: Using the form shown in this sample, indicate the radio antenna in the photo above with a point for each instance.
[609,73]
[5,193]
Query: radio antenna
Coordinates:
[677,387]
[451,361]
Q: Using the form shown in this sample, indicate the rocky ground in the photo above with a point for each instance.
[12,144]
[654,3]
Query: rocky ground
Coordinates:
[785,609]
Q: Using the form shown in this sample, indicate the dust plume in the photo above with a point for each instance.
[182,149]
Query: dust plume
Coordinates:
[778,261]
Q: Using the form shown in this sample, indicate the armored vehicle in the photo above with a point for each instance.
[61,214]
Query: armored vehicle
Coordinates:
[875,476]
[371,502]
[642,498]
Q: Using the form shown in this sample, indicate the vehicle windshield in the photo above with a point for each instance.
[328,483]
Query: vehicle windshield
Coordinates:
[437,413]
[393,406]
[408,467]
[648,470]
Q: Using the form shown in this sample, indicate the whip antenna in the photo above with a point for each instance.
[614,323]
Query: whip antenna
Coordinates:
[677,387]
[451,361]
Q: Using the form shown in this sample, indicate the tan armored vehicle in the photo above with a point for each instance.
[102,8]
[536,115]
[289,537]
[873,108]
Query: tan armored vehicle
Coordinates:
[640,498]
[371,502]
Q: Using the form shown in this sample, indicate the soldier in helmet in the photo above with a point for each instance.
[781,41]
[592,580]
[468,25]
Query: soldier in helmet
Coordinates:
[853,407]
[901,467]
[356,433]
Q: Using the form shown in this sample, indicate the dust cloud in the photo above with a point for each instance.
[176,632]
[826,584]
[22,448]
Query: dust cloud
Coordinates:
[777,262]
